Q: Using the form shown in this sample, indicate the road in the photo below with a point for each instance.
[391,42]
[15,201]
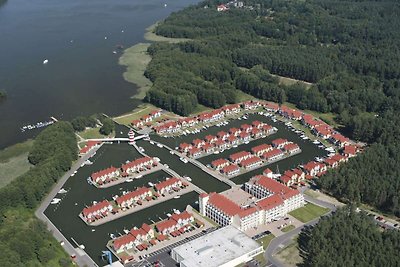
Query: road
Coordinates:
[82,259]
[284,240]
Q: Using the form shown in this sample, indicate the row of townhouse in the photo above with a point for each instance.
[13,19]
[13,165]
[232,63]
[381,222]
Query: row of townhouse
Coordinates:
[107,175]
[138,165]
[174,223]
[146,118]
[135,237]
[254,159]
[169,184]
[90,145]
[312,169]
[272,201]
[133,197]
[224,140]
[97,211]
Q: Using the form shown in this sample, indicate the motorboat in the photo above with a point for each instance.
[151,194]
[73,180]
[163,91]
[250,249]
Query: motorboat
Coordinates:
[183,160]
[62,191]
[55,201]
[187,178]
[178,196]
[150,184]
[45,61]
[129,180]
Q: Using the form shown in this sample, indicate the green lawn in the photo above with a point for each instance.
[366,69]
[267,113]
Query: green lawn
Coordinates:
[200,109]
[136,114]
[290,255]
[288,228]
[91,133]
[14,161]
[242,96]
[266,240]
[308,212]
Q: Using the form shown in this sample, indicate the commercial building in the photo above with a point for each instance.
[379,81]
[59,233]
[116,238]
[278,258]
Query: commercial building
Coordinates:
[263,200]
[224,247]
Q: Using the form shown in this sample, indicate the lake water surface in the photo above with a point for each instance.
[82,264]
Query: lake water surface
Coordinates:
[77,37]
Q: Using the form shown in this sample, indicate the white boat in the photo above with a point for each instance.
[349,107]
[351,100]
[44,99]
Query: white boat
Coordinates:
[151,142]
[165,5]
[62,191]
[216,152]
[188,178]
[129,180]
[55,201]
[171,152]
[45,61]
[183,160]
[178,196]
[160,145]
[112,236]
[150,184]
[316,142]
[93,230]
[169,214]
[139,176]
[235,146]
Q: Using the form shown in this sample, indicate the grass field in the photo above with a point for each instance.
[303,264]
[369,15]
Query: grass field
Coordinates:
[200,109]
[136,60]
[327,117]
[290,81]
[92,133]
[136,114]
[288,228]
[308,212]
[266,240]
[290,255]
[151,36]
[14,162]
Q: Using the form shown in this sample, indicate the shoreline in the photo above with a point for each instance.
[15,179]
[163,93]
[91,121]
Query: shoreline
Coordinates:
[136,59]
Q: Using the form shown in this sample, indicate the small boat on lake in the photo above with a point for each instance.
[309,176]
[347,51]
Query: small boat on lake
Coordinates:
[45,61]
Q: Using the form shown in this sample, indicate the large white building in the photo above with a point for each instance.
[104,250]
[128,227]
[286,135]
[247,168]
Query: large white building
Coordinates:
[266,200]
[224,247]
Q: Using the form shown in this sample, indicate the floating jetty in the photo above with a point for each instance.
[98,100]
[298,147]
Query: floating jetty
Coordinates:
[38,125]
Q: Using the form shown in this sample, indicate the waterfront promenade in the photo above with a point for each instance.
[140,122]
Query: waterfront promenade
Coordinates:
[81,259]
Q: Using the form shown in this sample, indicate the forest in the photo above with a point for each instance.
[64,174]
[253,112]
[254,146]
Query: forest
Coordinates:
[351,235]
[24,240]
[347,49]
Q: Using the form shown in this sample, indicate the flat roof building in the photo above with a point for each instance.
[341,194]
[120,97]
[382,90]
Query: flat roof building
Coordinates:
[224,247]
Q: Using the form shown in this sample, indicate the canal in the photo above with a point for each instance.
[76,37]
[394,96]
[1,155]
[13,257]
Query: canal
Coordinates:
[65,214]
[309,150]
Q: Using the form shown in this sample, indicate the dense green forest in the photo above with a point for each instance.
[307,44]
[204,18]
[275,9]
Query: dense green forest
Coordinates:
[348,49]
[351,235]
[24,240]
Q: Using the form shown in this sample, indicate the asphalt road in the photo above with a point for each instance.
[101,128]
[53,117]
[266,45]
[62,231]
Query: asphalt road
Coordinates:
[82,259]
[285,239]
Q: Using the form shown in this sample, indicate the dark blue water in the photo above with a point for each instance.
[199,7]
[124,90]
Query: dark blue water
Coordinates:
[83,76]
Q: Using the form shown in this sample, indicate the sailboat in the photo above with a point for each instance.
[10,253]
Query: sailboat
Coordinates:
[45,61]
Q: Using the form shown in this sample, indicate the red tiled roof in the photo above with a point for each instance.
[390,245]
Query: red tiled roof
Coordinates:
[101,173]
[272,153]
[95,207]
[250,161]
[270,202]
[224,204]
[261,147]
[279,141]
[350,150]
[146,227]
[219,162]
[290,147]
[230,168]
[138,192]
[135,163]
[275,187]
[166,183]
[239,155]
[161,226]
[182,216]
[123,240]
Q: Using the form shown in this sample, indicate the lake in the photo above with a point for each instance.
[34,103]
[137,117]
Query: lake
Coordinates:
[77,37]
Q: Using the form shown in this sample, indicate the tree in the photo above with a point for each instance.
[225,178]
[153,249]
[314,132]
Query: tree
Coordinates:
[107,127]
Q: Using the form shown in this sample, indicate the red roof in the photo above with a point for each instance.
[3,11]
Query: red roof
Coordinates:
[224,204]
[279,141]
[339,138]
[239,155]
[194,150]
[219,162]
[135,163]
[259,148]
[310,166]
[167,182]
[272,153]
[182,216]
[210,137]
[146,227]
[123,240]
[101,173]
[221,134]
[275,187]
[95,207]
[250,161]
[138,192]
[270,202]
[161,226]
[230,168]
[88,146]
[350,150]
[291,147]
